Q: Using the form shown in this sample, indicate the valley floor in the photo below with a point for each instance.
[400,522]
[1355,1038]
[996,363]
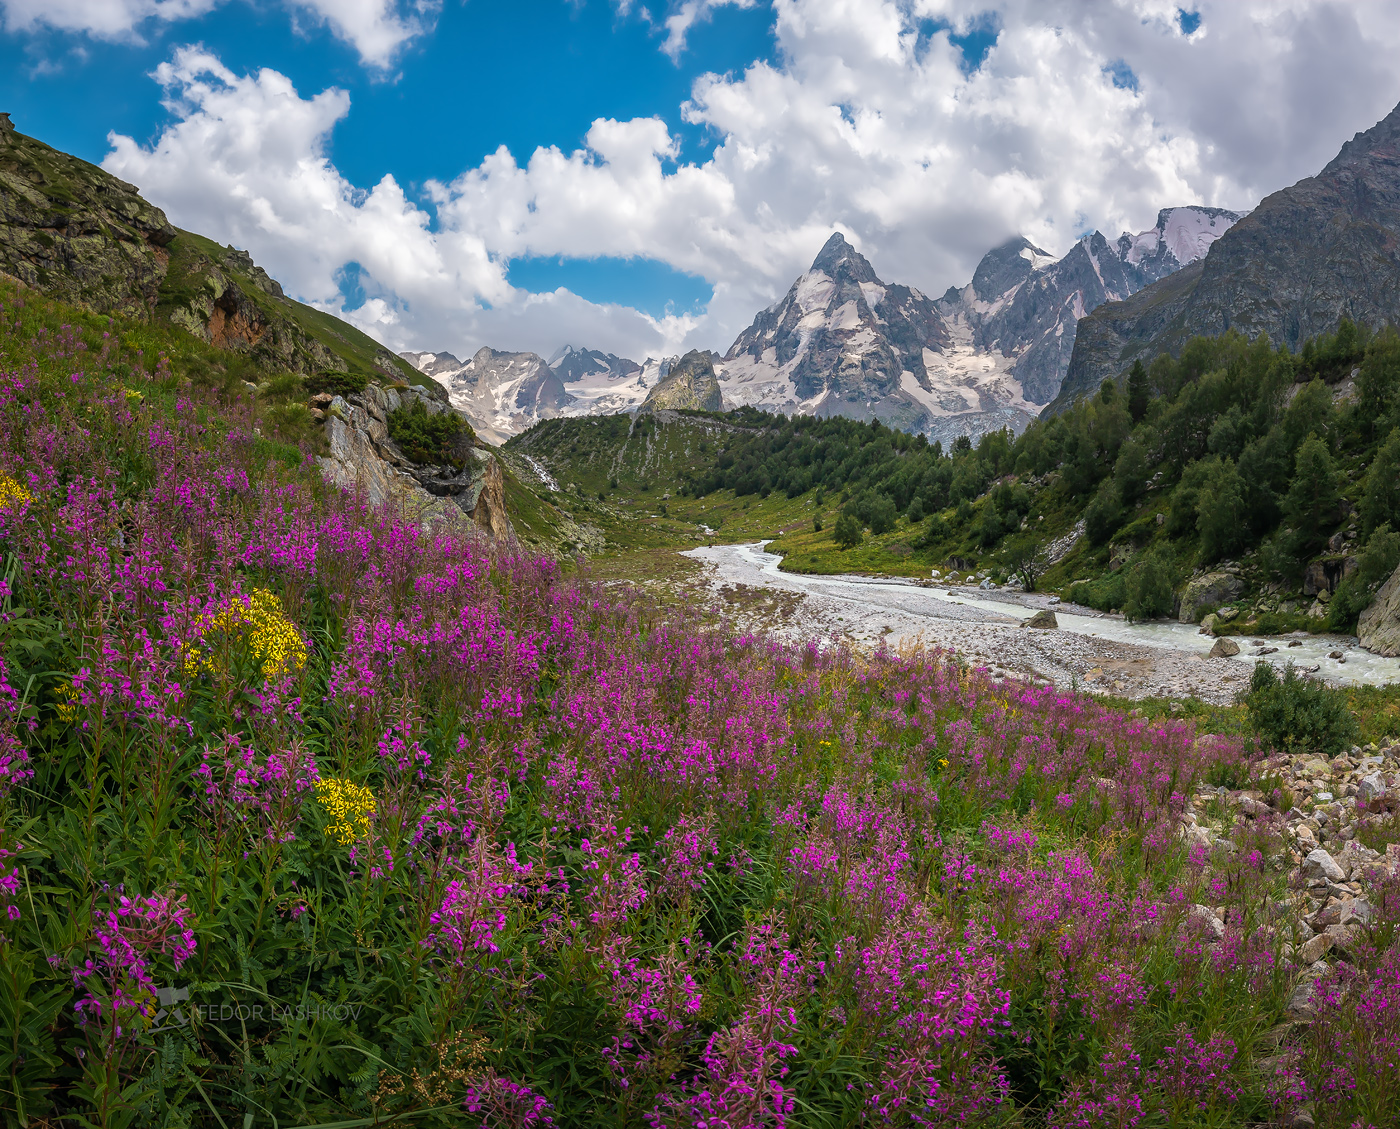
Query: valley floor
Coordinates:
[905,614]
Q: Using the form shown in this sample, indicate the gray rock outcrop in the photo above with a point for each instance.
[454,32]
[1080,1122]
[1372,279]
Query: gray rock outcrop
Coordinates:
[74,231]
[1043,619]
[363,456]
[691,383]
[1206,592]
[1379,627]
[1224,649]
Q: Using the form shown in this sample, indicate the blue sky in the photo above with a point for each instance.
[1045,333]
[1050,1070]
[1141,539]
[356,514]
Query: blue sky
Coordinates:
[519,74]
[670,166]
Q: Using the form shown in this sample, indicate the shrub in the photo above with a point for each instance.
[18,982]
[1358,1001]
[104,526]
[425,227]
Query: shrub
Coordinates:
[1354,595]
[1105,594]
[1148,587]
[935,530]
[336,383]
[1298,714]
[1381,503]
[848,532]
[1220,512]
[428,438]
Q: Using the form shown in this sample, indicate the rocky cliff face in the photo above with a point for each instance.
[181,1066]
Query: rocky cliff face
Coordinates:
[1033,322]
[363,456]
[1326,247]
[71,230]
[575,366]
[76,232]
[839,343]
[1379,628]
[690,383]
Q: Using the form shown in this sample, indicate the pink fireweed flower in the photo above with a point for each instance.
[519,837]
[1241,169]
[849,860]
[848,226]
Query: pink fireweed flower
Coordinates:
[128,934]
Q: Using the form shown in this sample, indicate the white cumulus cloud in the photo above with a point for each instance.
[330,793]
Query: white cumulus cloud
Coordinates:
[377,29]
[1081,115]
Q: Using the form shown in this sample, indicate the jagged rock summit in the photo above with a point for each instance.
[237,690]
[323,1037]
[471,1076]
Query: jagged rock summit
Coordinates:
[982,357]
[841,342]
[575,366]
[1327,247]
[690,383]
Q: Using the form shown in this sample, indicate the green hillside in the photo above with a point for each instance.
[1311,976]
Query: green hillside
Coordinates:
[77,233]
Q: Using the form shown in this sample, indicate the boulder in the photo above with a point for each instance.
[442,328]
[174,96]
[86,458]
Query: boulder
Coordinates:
[1044,619]
[690,383]
[1315,949]
[1209,591]
[1224,649]
[1372,786]
[1208,624]
[1320,864]
[1379,628]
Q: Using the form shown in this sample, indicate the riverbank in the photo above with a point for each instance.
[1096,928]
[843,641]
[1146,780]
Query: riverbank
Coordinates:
[1093,651]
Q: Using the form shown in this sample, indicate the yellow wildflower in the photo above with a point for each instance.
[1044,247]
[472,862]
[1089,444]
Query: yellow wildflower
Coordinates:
[67,706]
[349,805]
[132,394]
[12,494]
[259,621]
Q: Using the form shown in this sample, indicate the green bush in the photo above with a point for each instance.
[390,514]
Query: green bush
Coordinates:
[1105,594]
[1378,560]
[1104,514]
[336,383]
[848,532]
[935,529]
[428,438]
[1148,587]
[1297,714]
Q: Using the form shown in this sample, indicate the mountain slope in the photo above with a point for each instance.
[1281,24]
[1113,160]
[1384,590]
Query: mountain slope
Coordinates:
[78,233]
[839,343]
[502,393]
[1325,248]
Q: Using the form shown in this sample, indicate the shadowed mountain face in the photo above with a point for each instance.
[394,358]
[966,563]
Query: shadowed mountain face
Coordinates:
[1325,248]
[840,343]
[574,365]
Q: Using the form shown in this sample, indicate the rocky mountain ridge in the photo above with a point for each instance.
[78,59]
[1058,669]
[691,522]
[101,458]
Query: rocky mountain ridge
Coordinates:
[506,393]
[71,230]
[982,357]
[690,384]
[1327,247]
[842,341]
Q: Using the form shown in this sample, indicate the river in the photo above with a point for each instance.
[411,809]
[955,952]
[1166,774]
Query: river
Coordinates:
[896,608]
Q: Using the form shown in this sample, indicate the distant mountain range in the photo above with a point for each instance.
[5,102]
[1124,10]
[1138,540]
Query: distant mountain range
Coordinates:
[843,342]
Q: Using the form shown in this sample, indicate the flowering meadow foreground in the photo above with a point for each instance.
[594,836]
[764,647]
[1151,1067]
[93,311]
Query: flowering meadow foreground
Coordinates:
[310,817]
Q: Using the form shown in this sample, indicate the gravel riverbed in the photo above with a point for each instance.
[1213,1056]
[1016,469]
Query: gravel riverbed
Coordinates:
[1093,654]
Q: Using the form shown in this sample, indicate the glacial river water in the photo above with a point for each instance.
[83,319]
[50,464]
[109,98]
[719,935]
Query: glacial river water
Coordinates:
[752,564]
